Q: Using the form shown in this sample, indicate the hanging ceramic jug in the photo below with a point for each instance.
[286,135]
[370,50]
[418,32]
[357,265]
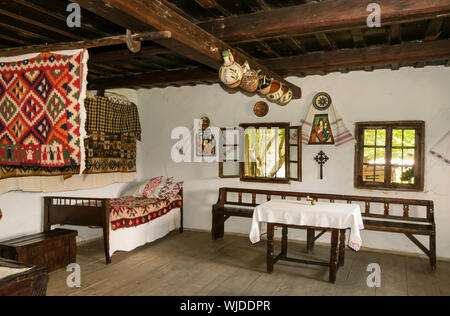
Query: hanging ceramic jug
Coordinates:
[249,79]
[231,72]
[276,91]
[264,84]
[287,95]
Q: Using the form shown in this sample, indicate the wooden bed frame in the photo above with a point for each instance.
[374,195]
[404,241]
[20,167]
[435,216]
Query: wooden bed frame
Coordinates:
[89,212]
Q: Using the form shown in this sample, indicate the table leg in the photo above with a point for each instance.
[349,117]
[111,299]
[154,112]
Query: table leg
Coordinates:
[334,255]
[310,240]
[270,247]
[284,242]
[342,248]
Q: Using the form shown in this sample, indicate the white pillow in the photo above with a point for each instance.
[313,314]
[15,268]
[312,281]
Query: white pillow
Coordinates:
[136,190]
[164,182]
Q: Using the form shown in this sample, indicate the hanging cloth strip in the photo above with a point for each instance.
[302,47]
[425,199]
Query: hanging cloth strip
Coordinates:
[340,132]
[112,118]
[441,150]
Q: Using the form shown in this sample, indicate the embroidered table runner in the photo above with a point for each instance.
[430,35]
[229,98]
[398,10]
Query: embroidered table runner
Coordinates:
[302,213]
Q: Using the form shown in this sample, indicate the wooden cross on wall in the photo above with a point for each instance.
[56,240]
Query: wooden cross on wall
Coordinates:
[321,159]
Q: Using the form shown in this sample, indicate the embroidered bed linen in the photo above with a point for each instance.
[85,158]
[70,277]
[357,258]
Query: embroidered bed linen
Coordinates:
[132,212]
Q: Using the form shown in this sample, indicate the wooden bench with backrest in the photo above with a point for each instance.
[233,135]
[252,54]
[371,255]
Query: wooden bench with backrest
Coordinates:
[241,203]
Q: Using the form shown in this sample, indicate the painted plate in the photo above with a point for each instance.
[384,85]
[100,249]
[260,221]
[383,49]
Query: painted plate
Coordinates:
[322,101]
[261,109]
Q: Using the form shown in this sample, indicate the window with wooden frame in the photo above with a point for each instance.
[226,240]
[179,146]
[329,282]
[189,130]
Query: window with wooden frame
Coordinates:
[390,155]
[269,152]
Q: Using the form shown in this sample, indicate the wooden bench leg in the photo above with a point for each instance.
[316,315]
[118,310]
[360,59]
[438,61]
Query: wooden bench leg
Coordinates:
[310,242]
[334,255]
[270,247]
[433,252]
[218,224]
[342,248]
[284,242]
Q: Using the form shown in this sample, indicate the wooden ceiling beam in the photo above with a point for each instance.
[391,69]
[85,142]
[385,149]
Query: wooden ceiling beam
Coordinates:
[320,17]
[362,57]
[101,42]
[434,29]
[311,63]
[60,17]
[160,78]
[39,24]
[194,42]
[212,4]
[124,54]
[395,34]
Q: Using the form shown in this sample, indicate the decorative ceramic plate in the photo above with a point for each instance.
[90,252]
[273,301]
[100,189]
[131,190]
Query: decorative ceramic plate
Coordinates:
[261,109]
[322,101]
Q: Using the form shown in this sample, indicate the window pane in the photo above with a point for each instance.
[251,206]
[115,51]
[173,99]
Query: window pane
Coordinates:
[408,157]
[261,153]
[265,153]
[396,176]
[409,138]
[381,156]
[368,173]
[408,175]
[379,174]
[369,137]
[397,156]
[369,155]
[397,138]
[250,152]
[281,154]
[381,137]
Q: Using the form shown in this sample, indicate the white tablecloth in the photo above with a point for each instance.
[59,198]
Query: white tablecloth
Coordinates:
[302,213]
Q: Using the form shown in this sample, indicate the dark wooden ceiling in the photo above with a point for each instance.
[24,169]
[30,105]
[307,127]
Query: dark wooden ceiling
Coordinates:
[410,42]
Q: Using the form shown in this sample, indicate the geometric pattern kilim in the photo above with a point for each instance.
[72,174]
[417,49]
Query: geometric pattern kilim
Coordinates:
[39,111]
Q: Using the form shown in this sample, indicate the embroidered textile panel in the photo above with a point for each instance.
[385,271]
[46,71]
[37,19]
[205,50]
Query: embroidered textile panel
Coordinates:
[107,153]
[39,111]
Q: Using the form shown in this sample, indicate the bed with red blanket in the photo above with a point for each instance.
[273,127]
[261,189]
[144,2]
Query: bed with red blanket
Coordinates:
[127,222]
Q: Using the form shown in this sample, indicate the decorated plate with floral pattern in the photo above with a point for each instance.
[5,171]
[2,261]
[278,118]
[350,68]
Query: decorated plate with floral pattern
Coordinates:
[322,101]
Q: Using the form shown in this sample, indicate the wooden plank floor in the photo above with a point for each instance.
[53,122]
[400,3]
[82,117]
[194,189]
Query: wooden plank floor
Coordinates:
[193,264]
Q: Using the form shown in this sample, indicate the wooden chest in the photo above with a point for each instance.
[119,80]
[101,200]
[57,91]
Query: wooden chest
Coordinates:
[22,279]
[53,250]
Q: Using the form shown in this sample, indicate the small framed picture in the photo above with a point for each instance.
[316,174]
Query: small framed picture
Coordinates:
[206,144]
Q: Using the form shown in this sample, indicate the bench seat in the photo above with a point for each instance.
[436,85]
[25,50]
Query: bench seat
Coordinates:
[405,224]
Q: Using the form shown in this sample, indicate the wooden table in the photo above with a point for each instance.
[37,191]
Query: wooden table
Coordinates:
[337,256]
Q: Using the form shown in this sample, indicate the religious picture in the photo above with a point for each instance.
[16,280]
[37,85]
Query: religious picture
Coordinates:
[321,133]
[206,144]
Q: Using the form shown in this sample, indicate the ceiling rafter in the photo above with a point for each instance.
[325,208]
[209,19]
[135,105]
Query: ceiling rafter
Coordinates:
[193,41]
[312,63]
[320,17]
[62,18]
[39,24]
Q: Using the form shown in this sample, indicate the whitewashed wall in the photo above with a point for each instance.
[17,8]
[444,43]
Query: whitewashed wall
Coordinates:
[407,94]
